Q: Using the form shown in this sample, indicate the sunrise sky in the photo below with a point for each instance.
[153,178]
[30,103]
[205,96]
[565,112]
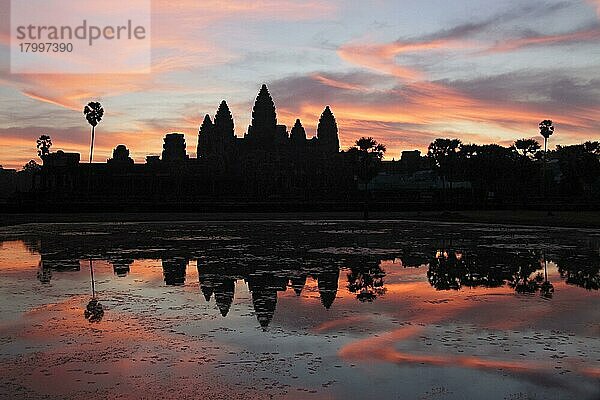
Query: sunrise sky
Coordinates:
[402,71]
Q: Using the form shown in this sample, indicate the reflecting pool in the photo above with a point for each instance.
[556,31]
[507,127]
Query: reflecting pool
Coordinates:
[300,310]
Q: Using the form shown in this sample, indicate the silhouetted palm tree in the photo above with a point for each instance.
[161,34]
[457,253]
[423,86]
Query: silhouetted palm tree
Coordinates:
[93,114]
[370,153]
[527,150]
[43,145]
[546,130]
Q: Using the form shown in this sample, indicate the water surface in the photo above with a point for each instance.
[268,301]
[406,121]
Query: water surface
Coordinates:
[299,309]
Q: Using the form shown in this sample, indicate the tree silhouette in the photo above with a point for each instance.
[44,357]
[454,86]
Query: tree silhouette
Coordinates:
[546,130]
[584,272]
[592,147]
[579,166]
[93,114]
[444,155]
[43,145]
[493,169]
[94,311]
[31,166]
[527,147]
[366,280]
[526,278]
[369,155]
[445,270]
[527,151]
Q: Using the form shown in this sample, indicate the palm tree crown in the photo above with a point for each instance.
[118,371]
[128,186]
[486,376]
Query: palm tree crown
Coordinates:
[93,113]
[546,128]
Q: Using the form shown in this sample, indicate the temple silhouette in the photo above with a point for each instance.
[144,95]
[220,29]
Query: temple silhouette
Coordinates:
[267,164]
[273,168]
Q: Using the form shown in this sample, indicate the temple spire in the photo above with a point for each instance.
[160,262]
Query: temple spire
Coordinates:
[298,134]
[224,121]
[206,125]
[204,136]
[327,132]
[264,118]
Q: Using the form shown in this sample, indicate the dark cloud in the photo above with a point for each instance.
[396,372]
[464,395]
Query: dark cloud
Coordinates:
[550,88]
[537,9]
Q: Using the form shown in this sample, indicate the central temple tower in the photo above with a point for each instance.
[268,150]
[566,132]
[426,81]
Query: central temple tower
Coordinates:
[264,118]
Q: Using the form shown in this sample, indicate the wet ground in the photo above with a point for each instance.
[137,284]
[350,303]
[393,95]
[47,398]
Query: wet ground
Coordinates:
[300,310]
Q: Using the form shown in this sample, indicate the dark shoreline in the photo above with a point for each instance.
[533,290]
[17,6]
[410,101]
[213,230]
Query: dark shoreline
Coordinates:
[567,219]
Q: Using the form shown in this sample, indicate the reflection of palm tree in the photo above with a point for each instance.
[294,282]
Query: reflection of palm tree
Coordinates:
[92,279]
[366,280]
[94,310]
[443,272]
[546,288]
[523,279]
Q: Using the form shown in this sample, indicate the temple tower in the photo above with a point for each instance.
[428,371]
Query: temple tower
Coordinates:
[264,117]
[174,148]
[120,156]
[327,132]
[224,128]
[298,134]
[204,137]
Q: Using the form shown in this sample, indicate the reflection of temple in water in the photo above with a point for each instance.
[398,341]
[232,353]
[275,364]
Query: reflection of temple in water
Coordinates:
[327,281]
[264,287]
[216,281]
[174,270]
[297,282]
[449,266]
[121,267]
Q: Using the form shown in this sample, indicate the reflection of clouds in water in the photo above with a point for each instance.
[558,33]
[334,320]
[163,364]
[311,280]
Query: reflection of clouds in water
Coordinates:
[300,281]
[355,251]
[357,232]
